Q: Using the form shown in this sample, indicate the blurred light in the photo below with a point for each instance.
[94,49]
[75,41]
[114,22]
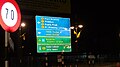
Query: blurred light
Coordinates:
[72,27]
[76,41]
[80,26]
[22,46]
[23,24]
[30,53]
[119,34]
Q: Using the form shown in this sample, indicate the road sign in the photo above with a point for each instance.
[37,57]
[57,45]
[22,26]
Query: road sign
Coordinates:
[10,15]
[53,34]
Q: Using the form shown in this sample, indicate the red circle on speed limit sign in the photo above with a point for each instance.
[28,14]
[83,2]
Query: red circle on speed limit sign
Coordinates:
[10,15]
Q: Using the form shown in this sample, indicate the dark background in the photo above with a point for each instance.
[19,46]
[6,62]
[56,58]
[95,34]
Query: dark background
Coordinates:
[101,26]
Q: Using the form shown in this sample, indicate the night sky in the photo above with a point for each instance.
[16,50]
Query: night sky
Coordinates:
[101,28]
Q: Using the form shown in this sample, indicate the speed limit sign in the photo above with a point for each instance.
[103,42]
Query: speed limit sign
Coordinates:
[10,15]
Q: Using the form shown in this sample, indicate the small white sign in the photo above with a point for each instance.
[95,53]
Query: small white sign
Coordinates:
[9,14]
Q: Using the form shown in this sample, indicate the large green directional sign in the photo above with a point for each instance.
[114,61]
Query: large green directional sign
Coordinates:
[53,34]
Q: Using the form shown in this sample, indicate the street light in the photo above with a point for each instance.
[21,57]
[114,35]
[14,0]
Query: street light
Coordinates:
[20,29]
[80,26]
[23,24]
[22,37]
[76,32]
[72,27]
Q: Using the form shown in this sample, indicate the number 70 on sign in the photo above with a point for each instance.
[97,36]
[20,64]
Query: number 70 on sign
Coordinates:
[10,15]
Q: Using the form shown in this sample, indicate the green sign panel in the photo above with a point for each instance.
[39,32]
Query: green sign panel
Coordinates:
[53,34]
